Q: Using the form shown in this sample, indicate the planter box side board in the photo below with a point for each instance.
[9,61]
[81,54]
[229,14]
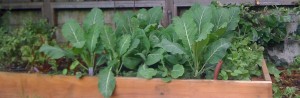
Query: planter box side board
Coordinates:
[22,85]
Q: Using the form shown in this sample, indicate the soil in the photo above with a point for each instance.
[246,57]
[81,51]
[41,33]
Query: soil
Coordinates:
[288,80]
[42,68]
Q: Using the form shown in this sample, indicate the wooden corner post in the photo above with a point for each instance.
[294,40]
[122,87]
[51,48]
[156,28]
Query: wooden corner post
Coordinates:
[48,12]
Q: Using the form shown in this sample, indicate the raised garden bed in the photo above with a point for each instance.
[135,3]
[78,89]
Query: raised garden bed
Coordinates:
[22,85]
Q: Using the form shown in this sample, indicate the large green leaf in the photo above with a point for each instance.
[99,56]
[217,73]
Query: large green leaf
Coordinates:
[186,30]
[202,16]
[134,45]
[154,57]
[131,62]
[152,16]
[168,33]
[72,31]
[92,37]
[92,24]
[155,14]
[125,23]
[234,18]
[154,39]
[173,59]
[204,32]
[124,44]
[145,42]
[142,15]
[146,72]
[216,51]
[94,17]
[108,38]
[220,17]
[170,47]
[52,52]
[107,82]
[177,71]
[200,48]
[217,34]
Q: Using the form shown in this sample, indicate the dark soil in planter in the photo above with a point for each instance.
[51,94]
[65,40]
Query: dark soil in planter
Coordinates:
[288,80]
[40,67]
[292,80]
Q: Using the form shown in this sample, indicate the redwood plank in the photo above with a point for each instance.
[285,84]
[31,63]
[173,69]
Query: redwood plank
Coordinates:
[265,71]
[16,85]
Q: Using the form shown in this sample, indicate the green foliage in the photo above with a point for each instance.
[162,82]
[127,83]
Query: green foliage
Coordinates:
[242,60]
[201,34]
[146,72]
[276,91]
[171,47]
[290,91]
[83,41]
[107,82]
[295,65]
[19,47]
[287,92]
[274,71]
[139,46]
[72,31]
[4,21]
[154,57]
[52,52]
[177,71]
[266,26]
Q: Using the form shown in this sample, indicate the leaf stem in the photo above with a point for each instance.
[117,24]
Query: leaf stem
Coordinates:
[120,68]
[82,65]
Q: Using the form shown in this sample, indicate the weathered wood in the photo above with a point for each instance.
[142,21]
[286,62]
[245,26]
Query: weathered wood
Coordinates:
[265,71]
[106,4]
[167,10]
[33,5]
[15,85]
[48,11]
[14,1]
[74,5]
[188,3]
[171,7]
[276,2]
[251,2]
[149,3]
[20,85]
[184,3]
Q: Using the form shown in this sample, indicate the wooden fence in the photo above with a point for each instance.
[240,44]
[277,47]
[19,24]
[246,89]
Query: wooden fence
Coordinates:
[58,11]
[171,8]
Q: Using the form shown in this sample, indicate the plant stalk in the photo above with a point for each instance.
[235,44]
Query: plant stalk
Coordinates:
[91,71]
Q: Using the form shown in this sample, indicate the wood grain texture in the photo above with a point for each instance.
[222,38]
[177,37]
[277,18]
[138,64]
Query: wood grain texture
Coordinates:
[265,71]
[22,85]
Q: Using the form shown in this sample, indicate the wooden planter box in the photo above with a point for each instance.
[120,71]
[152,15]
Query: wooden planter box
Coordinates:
[22,85]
